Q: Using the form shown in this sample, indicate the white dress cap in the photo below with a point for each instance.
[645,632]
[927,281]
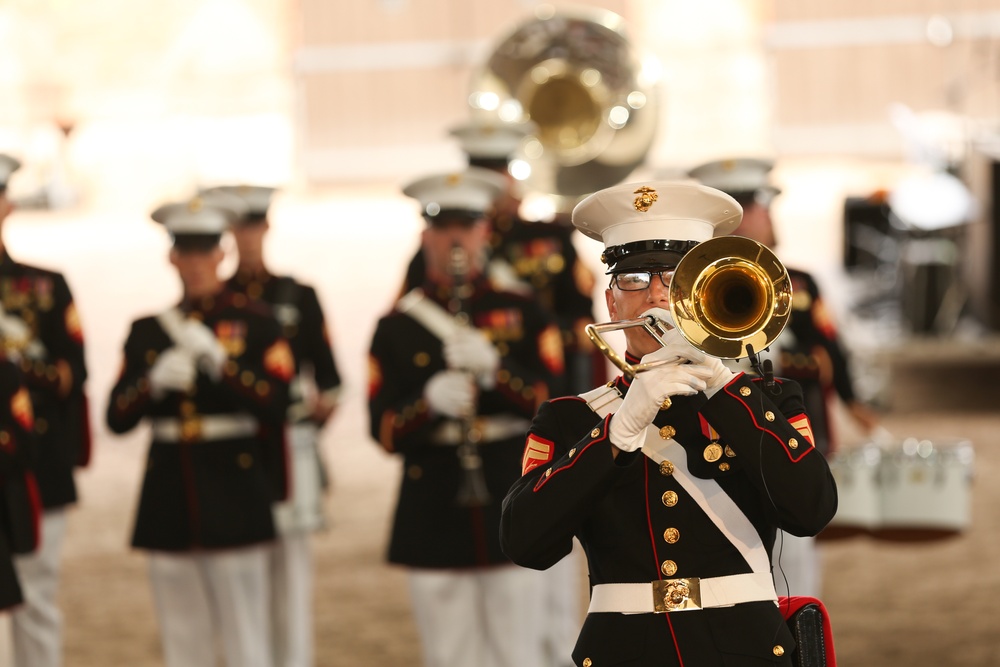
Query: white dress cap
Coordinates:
[223,197]
[256,197]
[194,217]
[469,192]
[739,175]
[656,210]
[491,139]
[8,166]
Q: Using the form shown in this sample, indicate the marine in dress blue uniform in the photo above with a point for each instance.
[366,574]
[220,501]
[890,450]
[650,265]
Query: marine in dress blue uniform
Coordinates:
[211,375]
[457,359]
[40,328]
[315,392]
[675,480]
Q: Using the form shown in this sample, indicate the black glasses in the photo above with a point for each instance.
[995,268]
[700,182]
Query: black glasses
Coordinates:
[636,281]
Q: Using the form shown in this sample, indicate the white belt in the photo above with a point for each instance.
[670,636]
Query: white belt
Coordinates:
[682,594]
[204,428]
[488,429]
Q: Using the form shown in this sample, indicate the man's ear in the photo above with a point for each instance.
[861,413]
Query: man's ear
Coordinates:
[173,256]
[609,297]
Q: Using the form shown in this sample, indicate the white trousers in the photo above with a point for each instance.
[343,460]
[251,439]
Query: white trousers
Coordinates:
[796,565]
[291,570]
[303,510]
[478,617]
[204,597]
[37,624]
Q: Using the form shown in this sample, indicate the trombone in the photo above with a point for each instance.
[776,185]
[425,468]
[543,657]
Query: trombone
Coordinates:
[730,297]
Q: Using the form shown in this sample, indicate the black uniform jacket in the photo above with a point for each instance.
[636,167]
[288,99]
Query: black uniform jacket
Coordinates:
[297,308]
[812,355]
[198,493]
[42,299]
[20,505]
[620,510]
[430,529]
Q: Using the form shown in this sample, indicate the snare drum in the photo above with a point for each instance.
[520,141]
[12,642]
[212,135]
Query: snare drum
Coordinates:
[856,473]
[925,490]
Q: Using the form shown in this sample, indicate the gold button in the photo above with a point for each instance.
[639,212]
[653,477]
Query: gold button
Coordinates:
[724,467]
[587,662]
[668,568]
[231,367]
[596,432]
[239,300]
[793,443]
[4,437]
[779,650]
[245,460]
[516,384]
[729,451]
[571,452]
[665,405]
[713,452]
[769,416]
[666,468]
[262,387]
[503,376]
[150,357]
[671,535]
[744,391]
[246,377]
[41,426]
[668,432]
[414,472]
[421,359]
[188,409]
[669,498]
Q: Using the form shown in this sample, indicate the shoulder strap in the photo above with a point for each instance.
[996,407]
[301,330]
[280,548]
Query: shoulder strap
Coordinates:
[603,400]
[433,317]
[171,321]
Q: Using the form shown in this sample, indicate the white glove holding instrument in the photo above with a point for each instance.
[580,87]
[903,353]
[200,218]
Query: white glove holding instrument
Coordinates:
[13,327]
[720,376]
[451,393]
[649,389]
[470,350]
[174,370]
[201,342]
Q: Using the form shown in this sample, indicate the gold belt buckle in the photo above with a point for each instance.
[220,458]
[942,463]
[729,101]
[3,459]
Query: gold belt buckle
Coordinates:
[676,594]
[190,429]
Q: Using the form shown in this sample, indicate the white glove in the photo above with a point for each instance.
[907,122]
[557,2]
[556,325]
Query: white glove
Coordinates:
[13,327]
[470,350]
[451,393]
[648,391]
[201,342]
[720,374]
[174,370]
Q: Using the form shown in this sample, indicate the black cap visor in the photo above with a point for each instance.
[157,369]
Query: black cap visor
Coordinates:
[196,242]
[653,255]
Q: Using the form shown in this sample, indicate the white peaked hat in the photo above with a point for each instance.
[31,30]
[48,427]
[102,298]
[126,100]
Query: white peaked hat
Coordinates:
[737,177]
[194,222]
[465,195]
[491,142]
[8,166]
[256,199]
[651,225]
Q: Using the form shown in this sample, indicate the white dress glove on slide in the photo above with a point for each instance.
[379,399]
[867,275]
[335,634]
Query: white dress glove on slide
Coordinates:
[174,370]
[720,376]
[470,350]
[451,393]
[648,391]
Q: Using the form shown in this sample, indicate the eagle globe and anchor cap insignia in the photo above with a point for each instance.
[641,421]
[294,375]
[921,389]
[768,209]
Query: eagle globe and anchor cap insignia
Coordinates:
[644,201]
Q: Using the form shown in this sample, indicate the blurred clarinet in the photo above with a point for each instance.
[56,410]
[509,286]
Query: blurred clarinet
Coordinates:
[472,491]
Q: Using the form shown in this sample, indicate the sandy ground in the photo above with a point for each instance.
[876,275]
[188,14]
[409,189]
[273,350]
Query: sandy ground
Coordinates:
[926,604]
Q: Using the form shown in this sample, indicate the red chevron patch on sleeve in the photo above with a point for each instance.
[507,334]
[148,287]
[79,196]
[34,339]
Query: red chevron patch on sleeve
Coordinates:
[802,425]
[537,452]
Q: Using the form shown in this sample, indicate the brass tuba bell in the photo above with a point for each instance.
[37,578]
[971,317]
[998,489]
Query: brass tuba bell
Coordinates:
[730,297]
[573,73]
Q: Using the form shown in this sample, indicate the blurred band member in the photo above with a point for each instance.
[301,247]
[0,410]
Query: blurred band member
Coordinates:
[40,328]
[455,363]
[314,394]
[211,375]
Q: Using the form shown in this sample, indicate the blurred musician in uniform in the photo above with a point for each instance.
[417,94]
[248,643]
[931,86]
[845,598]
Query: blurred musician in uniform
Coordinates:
[457,369]
[40,329]
[808,351]
[538,259]
[674,480]
[314,394]
[20,504]
[211,374]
